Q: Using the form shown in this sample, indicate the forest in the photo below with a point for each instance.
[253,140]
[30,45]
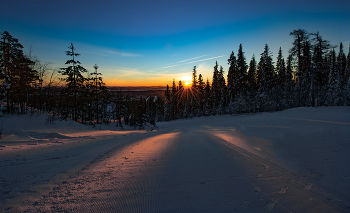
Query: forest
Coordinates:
[312,75]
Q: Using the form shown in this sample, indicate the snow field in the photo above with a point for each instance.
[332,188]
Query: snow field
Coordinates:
[290,161]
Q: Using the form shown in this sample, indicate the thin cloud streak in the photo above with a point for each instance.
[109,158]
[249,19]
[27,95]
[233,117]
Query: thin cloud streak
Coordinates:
[205,59]
[191,59]
[191,62]
[122,53]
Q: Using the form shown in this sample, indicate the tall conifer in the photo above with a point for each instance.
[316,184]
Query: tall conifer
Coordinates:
[75,79]
[251,77]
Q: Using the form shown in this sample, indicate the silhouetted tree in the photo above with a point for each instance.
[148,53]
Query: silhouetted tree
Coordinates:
[300,37]
[241,80]
[207,105]
[231,76]
[75,79]
[194,77]
[265,81]
[215,88]
[251,76]
[16,74]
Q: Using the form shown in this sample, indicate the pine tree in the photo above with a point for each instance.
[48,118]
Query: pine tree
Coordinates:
[347,69]
[97,89]
[300,36]
[199,92]
[22,79]
[75,80]
[231,75]
[222,92]
[194,78]
[174,101]
[289,84]
[251,77]
[167,104]
[16,73]
[280,93]
[215,88]
[280,68]
[201,83]
[251,85]
[334,83]
[347,77]
[207,103]
[265,81]
[305,76]
[10,49]
[321,47]
[167,94]
[341,63]
[240,81]
[181,104]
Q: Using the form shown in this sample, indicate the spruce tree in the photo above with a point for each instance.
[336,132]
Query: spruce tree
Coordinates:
[167,94]
[222,92]
[201,83]
[207,103]
[251,85]
[341,63]
[11,49]
[97,89]
[174,101]
[300,36]
[305,76]
[321,47]
[251,77]
[23,77]
[241,80]
[75,79]
[215,88]
[347,77]
[194,78]
[265,81]
[231,75]
[280,68]
[280,93]
[347,69]
[334,83]
[289,84]
[181,104]
[199,92]
[17,73]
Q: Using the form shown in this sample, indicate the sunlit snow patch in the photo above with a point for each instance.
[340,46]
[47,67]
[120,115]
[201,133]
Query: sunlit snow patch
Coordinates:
[235,139]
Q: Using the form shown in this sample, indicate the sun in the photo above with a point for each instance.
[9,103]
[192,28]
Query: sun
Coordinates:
[187,84]
[187,81]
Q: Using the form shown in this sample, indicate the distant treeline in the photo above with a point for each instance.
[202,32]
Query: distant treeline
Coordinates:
[313,74]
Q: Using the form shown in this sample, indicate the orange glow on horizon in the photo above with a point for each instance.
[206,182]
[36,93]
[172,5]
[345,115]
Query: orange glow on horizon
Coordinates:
[186,81]
[139,81]
[125,83]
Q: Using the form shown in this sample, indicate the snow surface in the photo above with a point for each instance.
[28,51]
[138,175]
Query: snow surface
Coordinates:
[295,160]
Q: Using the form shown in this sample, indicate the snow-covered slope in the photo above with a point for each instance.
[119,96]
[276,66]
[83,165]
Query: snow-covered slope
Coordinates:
[290,161]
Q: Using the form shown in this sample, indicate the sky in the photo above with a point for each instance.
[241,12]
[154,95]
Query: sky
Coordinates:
[150,43]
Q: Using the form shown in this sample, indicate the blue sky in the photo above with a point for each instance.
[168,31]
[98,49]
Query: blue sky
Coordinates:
[139,42]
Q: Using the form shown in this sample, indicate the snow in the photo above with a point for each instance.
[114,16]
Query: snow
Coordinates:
[289,161]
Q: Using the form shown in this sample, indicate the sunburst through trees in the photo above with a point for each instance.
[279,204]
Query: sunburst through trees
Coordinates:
[306,78]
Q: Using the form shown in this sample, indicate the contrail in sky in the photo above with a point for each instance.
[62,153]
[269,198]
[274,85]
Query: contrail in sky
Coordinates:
[191,59]
[179,63]
[205,59]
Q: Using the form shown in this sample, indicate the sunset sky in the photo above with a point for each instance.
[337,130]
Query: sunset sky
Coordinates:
[139,42]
